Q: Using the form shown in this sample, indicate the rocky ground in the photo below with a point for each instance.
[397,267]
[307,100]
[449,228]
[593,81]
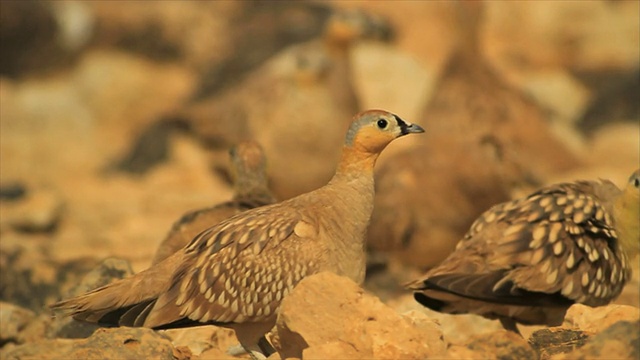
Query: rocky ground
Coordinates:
[81,81]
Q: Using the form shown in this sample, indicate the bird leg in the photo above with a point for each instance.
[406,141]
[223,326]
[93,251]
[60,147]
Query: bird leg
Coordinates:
[263,344]
[236,350]
[252,338]
[510,325]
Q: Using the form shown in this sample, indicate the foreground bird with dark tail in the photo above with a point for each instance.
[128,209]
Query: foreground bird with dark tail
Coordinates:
[526,261]
[236,273]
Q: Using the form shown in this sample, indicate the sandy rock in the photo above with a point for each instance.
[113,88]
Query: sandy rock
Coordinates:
[97,104]
[215,354]
[106,272]
[116,343]
[596,320]
[155,30]
[12,190]
[496,345]
[332,350]
[620,341]
[124,90]
[39,211]
[539,35]
[552,341]
[346,320]
[197,340]
[33,39]
[13,320]
[28,275]
[220,39]
[456,329]
[462,352]
[127,217]
[205,341]
[36,329]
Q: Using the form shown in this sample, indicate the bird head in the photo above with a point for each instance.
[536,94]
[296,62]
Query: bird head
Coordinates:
[248,165]
[627,209]
[247,156]
[371,131]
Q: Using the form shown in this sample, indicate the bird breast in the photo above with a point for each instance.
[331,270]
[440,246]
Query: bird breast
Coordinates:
[343,227]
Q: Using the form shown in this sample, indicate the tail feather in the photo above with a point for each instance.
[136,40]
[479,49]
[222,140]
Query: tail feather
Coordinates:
[492,287]
[123,301]
[132,315]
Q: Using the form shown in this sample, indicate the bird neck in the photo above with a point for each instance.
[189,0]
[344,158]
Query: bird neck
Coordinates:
[626,211]
[351,191]
[355,163]
[337,46]
[247,187]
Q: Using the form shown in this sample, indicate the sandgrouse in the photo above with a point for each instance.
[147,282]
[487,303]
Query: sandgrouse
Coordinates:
[251,190]
[480,105]
[526,261]
[313,78]
[236,273]
[495,141]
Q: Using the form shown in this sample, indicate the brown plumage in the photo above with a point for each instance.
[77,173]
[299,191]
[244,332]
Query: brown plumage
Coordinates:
[312,78]
[526,261]
[491,139]
[236,273]
[248,165]
[479,103]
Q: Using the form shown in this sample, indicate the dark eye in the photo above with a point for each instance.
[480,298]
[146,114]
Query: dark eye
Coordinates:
[636,182]
[382,123]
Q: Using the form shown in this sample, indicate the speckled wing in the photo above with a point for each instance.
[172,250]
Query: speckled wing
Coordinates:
[236,271]
[554,247]
[239,205]
[191,223]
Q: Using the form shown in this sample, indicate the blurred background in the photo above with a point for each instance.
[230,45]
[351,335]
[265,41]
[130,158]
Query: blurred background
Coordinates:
[116,117]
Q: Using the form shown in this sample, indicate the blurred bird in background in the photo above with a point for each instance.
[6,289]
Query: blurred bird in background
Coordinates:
[248,165]
[490,141]
[308,82]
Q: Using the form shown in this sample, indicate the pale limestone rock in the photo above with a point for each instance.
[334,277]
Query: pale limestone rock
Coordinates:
[500,344]
[39,211]
[597,319]
[556,340]
[619,341]
[327,314]
[13,320]
[116,343]
[205,341]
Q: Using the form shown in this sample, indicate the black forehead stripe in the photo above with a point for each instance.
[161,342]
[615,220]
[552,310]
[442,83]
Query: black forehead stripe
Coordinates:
[398,120]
